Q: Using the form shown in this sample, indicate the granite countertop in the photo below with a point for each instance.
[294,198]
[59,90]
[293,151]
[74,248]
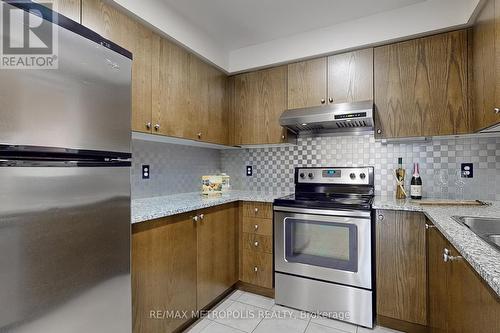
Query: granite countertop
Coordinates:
[480,255]
[158,207]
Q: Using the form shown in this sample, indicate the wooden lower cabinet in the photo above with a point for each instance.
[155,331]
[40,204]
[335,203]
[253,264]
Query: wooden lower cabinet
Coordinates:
[459,300]
[256,244]
[164,269]
[257,268]
[182,265]
[217,252]
[401,269]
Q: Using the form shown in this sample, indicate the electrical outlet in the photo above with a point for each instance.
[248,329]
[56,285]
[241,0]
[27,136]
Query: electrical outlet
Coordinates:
[249,170]
[146,171]
[467,170]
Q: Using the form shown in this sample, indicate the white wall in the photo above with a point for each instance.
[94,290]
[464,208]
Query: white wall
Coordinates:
[421,18]
[416,19]
[157,14]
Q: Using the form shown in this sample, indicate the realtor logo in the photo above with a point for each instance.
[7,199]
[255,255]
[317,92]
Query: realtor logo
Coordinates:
[28,40]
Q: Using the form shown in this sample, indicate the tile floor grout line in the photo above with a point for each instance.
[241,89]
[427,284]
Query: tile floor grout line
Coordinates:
[335,328]
[231,327]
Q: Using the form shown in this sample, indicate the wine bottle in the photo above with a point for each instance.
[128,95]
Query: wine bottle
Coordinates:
[400,178]
[416,184]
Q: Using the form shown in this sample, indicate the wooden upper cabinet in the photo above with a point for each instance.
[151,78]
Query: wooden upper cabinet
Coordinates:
[401,266]
[486,65]
[164,271]
[189,95]
[170,84]
[459,300]
[350,76]
[217,236]
[258,100]
[68,8]
[307,83]
[421,87]
[114,25]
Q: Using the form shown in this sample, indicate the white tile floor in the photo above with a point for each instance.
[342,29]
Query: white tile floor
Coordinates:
[246,312]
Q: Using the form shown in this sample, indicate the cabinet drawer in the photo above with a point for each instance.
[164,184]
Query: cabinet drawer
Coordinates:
[257,243]
[258,226]
[257,268]
[261,210]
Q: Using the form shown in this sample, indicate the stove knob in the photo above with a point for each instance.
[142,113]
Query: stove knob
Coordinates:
[352,175]
[302,175]
[362,175]
[311,175]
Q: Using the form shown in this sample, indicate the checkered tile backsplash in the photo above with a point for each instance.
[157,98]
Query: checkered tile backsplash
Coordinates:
[273,167]
[174,168]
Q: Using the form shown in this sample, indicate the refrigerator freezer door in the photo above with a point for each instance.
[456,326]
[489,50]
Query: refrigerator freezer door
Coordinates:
[85,104]
[65,249]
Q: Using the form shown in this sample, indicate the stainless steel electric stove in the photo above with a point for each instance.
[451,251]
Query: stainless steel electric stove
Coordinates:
[323,244]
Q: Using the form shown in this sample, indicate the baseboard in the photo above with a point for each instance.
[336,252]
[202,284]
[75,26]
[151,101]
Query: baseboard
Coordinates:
[251,288]
[401,325]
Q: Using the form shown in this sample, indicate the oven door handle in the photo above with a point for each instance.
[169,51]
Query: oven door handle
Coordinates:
[329,212]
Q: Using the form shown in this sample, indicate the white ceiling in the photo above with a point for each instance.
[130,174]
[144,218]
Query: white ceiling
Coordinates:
[239,23]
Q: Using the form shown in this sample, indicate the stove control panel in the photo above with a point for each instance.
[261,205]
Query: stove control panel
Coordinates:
[341,176]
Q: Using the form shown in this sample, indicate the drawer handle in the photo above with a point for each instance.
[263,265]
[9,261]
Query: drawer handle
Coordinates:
[255,269]
[256,210]
[429,226]
[256,226]
[447,257]
[256,244]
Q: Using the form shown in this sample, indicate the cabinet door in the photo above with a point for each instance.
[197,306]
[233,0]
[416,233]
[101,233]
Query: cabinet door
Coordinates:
[350,77]
[217,252]
[485,58]
[307,81]
[216,128]
[459,301]
[259,99]
[163,271]
[170,81]
[114,25]
[401,266]
[69,8]
[421,87]
[438,283]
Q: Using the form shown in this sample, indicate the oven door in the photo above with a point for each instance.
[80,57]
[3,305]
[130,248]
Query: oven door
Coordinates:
[326,245]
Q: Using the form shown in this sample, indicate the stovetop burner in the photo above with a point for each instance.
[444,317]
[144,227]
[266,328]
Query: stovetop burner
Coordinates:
[331,188]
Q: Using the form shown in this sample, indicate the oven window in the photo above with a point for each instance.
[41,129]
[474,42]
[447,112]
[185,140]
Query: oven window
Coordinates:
[324,244]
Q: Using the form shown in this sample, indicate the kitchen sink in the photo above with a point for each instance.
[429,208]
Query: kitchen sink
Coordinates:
[486,228]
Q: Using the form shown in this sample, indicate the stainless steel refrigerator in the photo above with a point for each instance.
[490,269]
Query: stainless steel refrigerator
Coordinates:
[65,188]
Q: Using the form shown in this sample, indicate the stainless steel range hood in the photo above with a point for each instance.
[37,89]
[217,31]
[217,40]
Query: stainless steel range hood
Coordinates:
[342,117]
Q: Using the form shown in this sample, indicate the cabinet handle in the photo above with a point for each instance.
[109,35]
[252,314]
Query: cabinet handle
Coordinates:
[202,216]
[256,244]
[323,101]
[157,127]
[447,257]
[330,100]
[381,217]
[148,125]
[256,210]
[199,135]
[256,226]
[282,137]
[379,131]
[195,219]
[428,226]
[497,110]
[255,269]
